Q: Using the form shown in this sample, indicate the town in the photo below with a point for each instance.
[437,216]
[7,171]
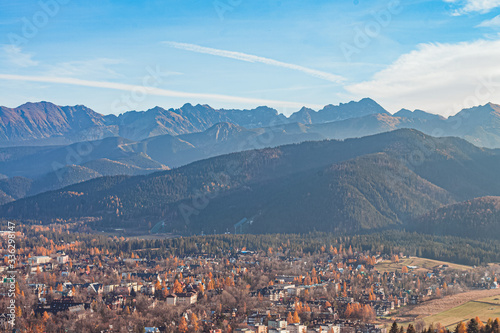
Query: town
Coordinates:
[64,282]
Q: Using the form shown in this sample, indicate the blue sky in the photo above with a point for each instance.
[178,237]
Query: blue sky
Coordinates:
[115,56]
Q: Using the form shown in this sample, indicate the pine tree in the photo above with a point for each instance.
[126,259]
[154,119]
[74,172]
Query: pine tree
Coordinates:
[472,326]
[495,327]
[394,328]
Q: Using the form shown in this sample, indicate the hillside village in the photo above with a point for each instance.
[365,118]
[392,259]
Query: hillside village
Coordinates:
[333,289]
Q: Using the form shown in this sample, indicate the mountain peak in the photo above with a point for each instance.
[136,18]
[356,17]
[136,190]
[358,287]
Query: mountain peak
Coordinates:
[155,109]
[306,109]
[417,114]
[31,105]
[367,100]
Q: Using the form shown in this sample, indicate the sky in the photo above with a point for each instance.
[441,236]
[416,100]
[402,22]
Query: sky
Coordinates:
[118,55]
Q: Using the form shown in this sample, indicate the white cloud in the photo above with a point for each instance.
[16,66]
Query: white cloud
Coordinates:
[469,6]
[15,56]
[493,23]
[253,58]
[155,91]
[441,78]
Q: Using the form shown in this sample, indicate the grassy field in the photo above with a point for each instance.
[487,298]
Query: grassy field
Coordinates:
[483,308]
[450,310]
[492,300]
[423,264]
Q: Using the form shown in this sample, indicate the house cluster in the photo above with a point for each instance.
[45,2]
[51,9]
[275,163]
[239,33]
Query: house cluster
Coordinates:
[339,292]
[280,325]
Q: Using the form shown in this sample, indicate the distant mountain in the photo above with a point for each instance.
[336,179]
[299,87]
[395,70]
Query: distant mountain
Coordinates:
[47,124]
[44,121]
[53,167]
[14,188]
[119,156]
[332,113]
[369,183]
[33,162]
[417,114]
[479,125]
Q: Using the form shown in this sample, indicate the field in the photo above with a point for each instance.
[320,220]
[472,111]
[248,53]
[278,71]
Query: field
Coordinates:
[481,308]
[423,264]
[450,310]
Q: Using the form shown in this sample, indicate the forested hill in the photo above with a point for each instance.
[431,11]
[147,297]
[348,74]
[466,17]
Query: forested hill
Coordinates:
[478,218]
[357,184]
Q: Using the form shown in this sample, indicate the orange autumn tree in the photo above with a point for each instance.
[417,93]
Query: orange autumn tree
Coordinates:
[461,328]
[183,326]
[177,287]
[195,322]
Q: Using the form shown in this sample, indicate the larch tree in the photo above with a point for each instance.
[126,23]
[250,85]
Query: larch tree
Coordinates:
[183,326]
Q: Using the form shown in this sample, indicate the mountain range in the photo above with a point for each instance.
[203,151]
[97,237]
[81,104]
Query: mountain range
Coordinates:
[46,123]
[345,168]
[50,167]
[388,180]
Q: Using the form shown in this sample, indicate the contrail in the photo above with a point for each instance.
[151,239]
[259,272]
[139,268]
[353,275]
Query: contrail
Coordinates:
[254,58]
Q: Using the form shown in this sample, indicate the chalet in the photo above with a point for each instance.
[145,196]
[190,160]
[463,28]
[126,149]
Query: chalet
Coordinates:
[186,298]
[108,288]
[260,329]
[277,324]
[415,299]
[256,319]
[45,267]
[114,302]
[148,289]
[276,295]
[63,304]
[37,260]
[295,291]
[296,328]
[62,259]
[38,289]
[94,288]
[382,309]
[172,299]
[122,290]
